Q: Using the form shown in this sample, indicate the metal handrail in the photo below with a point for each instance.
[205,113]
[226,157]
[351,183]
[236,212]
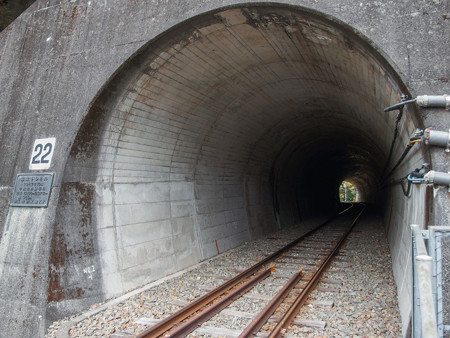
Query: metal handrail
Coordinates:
[424,313]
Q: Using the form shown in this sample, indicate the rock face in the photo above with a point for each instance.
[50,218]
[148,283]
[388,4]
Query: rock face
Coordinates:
[183,129]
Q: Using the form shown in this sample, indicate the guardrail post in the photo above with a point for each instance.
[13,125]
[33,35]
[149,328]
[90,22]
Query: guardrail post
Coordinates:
[423,285]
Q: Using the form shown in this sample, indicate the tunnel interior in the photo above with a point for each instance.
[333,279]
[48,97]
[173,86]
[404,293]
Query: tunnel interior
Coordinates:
[229,126]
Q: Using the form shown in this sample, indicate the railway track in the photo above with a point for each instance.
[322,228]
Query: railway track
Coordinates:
[282,282]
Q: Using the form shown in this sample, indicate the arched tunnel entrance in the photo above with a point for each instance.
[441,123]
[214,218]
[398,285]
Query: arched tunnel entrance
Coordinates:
[228,127]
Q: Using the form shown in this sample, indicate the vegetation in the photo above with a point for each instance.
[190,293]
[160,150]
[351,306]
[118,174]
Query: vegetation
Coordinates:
[10,10]
[347,192]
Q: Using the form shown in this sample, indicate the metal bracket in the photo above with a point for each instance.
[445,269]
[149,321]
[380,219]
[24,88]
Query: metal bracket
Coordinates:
[447,150]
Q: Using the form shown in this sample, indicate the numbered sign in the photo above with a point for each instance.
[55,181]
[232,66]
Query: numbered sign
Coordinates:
[42,153]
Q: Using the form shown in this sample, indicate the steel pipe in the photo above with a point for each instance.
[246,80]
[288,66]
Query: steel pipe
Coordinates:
[436,177]
[433,101]
[437,138]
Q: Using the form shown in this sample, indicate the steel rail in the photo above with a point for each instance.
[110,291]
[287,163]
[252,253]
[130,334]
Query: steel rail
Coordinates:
[187,327]
[167,323]
[293,310]
[258,322]
[170,321]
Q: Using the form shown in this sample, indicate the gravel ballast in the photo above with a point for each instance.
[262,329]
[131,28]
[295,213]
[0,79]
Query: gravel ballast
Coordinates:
[362,290]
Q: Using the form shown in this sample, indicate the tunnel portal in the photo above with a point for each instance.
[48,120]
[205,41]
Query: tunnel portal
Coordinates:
[229,126]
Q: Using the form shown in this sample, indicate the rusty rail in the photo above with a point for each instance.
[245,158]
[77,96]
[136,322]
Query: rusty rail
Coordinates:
[257,323]
[290,315]
[168,323]
[190,325]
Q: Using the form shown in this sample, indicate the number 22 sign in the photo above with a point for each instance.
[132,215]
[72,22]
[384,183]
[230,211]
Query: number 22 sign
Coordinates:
[42,153]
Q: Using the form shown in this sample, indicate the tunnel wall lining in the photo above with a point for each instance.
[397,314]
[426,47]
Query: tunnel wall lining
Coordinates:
[65,45]
[168,167]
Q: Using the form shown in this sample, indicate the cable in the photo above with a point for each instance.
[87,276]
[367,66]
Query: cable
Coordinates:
[413,140]
[405,152]
[400,105]
[406,191]
[397,123]
[414,177]
[426,101]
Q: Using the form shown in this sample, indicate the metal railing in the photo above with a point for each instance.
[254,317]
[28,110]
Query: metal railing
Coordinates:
[431,281]
[424,314]
[439,248]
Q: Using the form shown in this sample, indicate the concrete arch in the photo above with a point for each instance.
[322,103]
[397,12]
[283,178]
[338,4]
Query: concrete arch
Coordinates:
[210,136]
[257,103]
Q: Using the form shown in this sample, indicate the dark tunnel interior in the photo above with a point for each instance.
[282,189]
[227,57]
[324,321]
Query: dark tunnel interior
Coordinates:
[306,183]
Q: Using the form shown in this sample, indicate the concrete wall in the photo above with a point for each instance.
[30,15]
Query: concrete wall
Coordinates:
[182,133]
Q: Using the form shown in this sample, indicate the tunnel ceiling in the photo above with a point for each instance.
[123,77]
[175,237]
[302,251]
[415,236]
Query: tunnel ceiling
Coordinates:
[263,94]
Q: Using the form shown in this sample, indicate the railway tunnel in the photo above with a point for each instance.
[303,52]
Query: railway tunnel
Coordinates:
[224,128]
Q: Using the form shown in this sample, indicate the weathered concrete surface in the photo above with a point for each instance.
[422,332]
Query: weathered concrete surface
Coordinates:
[175,142]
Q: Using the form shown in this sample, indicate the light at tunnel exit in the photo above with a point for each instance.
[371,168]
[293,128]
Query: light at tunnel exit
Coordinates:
[347,192]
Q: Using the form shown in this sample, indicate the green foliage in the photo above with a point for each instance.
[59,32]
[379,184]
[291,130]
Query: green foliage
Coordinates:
[347,192]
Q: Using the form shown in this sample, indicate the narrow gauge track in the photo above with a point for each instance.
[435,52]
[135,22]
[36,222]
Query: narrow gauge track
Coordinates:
[304,258]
